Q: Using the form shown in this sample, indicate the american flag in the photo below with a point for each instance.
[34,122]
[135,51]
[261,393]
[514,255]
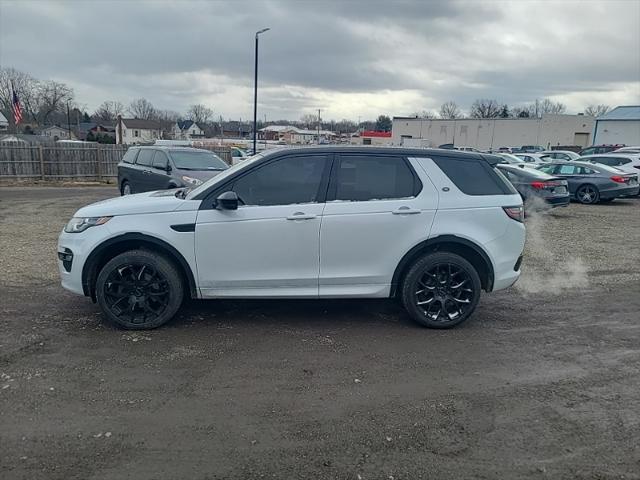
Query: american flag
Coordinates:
[16,107]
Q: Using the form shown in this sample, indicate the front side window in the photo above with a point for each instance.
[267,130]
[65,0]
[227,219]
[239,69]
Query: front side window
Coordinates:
[160,161]
[361,178]
[287,181]
[145,157]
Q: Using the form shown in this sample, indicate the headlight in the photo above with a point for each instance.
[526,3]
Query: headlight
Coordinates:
[192,181]
[79,224]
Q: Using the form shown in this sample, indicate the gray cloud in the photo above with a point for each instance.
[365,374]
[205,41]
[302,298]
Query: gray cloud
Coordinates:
[398,56]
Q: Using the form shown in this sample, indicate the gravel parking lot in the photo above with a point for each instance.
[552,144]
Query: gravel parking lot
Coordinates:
[541,383]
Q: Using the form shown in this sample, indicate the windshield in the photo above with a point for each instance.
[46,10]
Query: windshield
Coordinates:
[202,160]
[225,174]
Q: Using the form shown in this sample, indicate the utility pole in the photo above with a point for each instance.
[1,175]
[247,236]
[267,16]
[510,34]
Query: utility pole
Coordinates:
[318,126]
[69,120]
[255,93]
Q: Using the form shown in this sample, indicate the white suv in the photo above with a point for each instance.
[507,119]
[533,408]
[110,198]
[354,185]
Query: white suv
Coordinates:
[430,227]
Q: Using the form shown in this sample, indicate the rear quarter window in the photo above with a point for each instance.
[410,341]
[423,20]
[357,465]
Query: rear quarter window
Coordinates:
[474,177]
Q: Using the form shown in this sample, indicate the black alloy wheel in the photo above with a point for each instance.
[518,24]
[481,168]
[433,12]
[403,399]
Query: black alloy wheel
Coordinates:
[588,194]
[139,290]
[441,290]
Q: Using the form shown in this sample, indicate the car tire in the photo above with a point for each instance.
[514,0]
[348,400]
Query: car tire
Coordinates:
[139,290]
[125,188]
[441,290]
[588,194]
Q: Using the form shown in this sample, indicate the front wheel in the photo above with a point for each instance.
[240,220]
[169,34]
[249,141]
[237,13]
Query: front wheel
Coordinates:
[588,194]
[125,189]
[139,290]
[441,290]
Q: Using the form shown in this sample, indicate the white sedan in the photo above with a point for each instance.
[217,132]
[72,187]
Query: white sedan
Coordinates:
[563,155]
[626,162]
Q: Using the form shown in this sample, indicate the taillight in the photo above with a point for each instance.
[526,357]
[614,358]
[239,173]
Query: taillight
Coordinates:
[537,185]
[517,213]
[618,179]
[541,185]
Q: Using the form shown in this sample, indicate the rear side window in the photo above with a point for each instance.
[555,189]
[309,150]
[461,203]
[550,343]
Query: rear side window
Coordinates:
[130,155]
[368,177]
[145,157]
[473,177]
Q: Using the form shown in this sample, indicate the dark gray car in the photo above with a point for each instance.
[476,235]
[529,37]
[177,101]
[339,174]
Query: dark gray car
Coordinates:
[533,184]
[144,169]
[593,183]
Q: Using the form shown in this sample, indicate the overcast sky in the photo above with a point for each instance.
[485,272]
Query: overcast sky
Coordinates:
[350,58]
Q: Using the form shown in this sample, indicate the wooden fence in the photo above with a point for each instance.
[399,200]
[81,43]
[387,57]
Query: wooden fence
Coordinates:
[67,162]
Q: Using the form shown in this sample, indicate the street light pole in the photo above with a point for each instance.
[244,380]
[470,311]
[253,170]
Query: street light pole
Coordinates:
[255,94]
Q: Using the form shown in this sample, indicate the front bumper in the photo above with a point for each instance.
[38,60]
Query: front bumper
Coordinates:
[73,251]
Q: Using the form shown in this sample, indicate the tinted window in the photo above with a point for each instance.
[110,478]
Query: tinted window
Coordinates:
[197,160]
[605,160]
[145,157]
[362,178]
[130,156]
[282,182]
[472,177]
[160,160]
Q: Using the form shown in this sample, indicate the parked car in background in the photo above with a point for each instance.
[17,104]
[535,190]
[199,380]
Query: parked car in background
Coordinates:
[238,155]
[626,162]
[430,227]
[594,149]
[533,158]
[466,149]
[531,149]
[560,155]
[632,150]
[592,183]
[508,158]
[537,189]
[144,169]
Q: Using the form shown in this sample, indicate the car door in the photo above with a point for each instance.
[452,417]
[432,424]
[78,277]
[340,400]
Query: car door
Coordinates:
[269,246]
[377,210]
[141,178]
[570,173]
[159,177]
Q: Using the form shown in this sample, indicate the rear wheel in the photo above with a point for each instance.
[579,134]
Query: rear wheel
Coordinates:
[139,290]
[441,290]
[588,194]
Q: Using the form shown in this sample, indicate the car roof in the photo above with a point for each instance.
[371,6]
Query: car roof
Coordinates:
[171,148]
[387,150]
[632,156]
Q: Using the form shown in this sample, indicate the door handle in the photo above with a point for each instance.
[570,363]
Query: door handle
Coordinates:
[301,216]
[146,172]
[406,211]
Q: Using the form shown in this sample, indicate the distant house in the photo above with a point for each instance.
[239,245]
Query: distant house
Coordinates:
[4,123]
[187,130]
[136,130]
[619,126]
[294,135]
[371,137]
[57,133]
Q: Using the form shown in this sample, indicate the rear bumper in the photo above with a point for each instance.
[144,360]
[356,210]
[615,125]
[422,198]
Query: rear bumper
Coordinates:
[620,192]
[558,201]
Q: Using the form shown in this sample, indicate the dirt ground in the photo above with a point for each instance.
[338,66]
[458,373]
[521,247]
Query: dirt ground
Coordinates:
[541,383]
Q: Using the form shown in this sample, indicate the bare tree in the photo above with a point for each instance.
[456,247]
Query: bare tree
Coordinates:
[424,114]
[53,97]
[142,108]
[450,110]
[309,120]
[199,113]
[27,89]
[108,111]
[170,116]
[596,110]
[485,108]
[549,106]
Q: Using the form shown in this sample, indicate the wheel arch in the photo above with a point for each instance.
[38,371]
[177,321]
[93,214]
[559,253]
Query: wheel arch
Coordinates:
[132,241]
[446,243]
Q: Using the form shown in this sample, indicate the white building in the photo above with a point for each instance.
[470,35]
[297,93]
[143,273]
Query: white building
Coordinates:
[371,137]
[57,133]
[187,130]
[619,126]
[135,130]
[484,134]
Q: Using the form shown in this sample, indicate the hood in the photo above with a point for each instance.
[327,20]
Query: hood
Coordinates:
[148,202]
[202,175]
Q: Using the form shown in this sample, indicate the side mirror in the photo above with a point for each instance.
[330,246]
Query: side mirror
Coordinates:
[168,168]
[227,201]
